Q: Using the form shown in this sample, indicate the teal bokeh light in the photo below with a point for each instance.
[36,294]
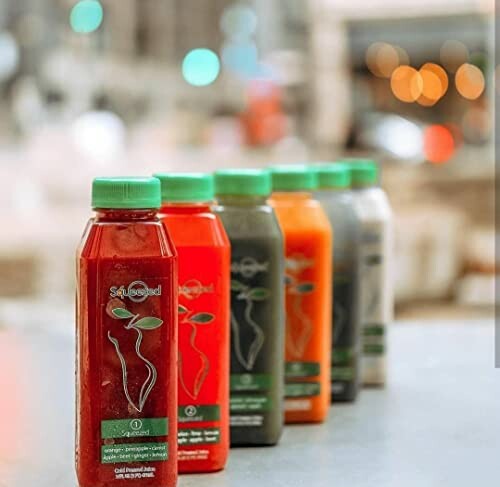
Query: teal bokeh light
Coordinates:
[241,58]
[201,67]
[86,16]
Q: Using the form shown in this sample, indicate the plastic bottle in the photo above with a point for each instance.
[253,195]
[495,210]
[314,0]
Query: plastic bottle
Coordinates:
[126,340]
[377,300]
[334,183]
[257,306]
[308,244]
[204,280]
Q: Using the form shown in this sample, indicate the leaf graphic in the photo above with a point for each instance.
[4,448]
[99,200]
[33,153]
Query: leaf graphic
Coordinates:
[237,285]
[259,294]
[122,313]
[202,318]
[181,309]
[305,287]
[148,323]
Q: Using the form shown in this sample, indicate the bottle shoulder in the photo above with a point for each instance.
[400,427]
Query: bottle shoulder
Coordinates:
[373,203]
[302,216]
[125,239]
[254,222]
[195,230]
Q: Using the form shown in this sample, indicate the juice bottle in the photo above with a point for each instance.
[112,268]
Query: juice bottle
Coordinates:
[308,269]
[334,183]
[204,281]
[126,341]
[377,303]
[257,306]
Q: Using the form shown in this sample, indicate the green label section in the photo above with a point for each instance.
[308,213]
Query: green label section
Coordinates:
[250,382]
[250,404]
[343,373]
[373,330]
[191,414]
[198,436]
[134,452]
[373,340]
[134,428]
[302,389]
[342,356]
[295,370]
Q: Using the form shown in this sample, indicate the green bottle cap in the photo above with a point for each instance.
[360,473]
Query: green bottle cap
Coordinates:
[364,172]
[294,178]
[186,187]
[245,182]
[126,193]
[331,176]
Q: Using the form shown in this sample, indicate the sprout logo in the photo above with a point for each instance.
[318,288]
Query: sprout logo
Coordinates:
[137,291]
[190,411]
[193,289]
[248,267]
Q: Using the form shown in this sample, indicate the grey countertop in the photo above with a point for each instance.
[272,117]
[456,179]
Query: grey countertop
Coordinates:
[436,424]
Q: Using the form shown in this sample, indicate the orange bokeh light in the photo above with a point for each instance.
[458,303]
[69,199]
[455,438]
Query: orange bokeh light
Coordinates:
[469,81]
[432,85]
[439,145]
[407,84]
[435,84]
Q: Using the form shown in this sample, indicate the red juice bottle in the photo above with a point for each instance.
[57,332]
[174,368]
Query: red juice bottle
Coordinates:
[204,301]
[126,432]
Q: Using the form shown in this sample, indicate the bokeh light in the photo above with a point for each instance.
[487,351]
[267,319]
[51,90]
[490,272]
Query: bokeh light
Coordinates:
[439,145]
[9,56]
[201,67]
[469,81]
[441,75]
[453,54]
[382,59]
[99,135]
[86,16]
[239,22]
[241,58]
[406,84]
[435,84]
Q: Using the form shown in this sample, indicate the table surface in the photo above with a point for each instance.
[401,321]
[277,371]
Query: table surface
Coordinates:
[436,424]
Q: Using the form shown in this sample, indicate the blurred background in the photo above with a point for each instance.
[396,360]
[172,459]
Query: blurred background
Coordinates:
[114,87]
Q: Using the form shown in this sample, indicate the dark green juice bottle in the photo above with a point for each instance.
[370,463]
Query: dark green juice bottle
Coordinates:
[334,193]
[257,306]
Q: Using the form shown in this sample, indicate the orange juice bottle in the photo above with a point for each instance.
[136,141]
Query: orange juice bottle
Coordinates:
[308,248]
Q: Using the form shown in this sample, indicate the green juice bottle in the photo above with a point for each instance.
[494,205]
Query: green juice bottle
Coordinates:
[257,306]
[334,193]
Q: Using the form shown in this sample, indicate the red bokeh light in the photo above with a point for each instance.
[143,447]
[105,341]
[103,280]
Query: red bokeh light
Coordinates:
[439,144]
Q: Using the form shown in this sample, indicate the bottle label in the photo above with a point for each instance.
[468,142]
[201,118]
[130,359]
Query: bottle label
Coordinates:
[253,309]
[203,353]
[345,352]
[197,320]
[374,288]
[302,376]
[134,367]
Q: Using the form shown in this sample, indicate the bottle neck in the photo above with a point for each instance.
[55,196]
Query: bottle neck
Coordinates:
[333,191]
[363,186]
[292,195]
[126,214]
[242,200]
[186,207]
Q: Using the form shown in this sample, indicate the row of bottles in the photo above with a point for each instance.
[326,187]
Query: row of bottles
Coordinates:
[202,325]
